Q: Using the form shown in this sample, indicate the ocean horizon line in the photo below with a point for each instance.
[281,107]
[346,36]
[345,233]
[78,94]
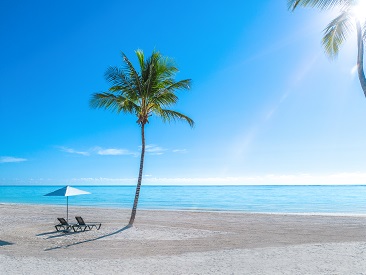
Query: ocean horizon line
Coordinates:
[183,185]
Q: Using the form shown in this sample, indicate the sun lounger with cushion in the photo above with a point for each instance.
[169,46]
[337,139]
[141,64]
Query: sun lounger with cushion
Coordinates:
[82,226]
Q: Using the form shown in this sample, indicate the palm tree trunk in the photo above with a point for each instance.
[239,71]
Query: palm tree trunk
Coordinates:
[361,74]
[134,208]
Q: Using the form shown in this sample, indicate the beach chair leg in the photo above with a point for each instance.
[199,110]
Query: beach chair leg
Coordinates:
[77,228]
[66,230]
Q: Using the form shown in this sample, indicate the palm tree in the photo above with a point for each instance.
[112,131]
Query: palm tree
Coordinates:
[145,93]
[339,28]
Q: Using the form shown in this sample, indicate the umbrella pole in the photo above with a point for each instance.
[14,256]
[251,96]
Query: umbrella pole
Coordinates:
[67,209]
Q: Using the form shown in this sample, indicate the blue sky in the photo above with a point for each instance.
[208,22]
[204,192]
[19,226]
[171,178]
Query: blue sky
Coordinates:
[269,106]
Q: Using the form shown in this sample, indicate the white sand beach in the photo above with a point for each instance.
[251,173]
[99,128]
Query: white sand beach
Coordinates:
[180,242]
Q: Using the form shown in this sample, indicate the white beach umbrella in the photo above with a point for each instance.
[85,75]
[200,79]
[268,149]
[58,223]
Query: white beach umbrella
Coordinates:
[67,191]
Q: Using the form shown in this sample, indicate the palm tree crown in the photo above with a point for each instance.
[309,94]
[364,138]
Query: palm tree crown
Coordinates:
[338,30]
[148,92]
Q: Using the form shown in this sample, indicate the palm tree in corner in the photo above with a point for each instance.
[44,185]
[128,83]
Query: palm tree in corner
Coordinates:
[352,16]
[149,91]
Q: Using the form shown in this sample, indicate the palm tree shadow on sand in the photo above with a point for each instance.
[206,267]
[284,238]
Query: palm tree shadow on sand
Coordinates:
[91,240]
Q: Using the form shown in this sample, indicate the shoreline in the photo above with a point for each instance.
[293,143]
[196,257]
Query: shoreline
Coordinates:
[180,242]
[332,214]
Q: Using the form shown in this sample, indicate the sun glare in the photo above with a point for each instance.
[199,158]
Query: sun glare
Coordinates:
[359,10]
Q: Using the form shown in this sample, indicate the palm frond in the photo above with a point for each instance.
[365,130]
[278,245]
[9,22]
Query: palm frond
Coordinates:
[166,68]
[336,33]
[163,99]
[104,100]
[165,91]
[169,115]
[130,107]
[141,58]
[120,81]
[149,76]
[113,75]
[133,74]
[321,4]
[112,102]
[180,85]
[165,95]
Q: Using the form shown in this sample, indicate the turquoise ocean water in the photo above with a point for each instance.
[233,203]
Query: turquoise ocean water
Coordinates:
[273,199]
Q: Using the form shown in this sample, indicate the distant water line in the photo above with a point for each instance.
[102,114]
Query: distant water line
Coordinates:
[348,199]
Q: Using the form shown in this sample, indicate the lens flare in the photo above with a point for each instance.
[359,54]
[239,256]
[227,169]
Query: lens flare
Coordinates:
[359,10]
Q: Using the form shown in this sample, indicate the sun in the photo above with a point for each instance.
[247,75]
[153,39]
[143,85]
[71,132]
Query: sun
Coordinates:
[359,10]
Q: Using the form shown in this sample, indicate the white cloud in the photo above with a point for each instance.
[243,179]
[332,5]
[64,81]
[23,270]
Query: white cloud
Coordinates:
[113,152]
[11,159]
[151,149]
[154,149]
[182,151]
[99,151]
[72,151]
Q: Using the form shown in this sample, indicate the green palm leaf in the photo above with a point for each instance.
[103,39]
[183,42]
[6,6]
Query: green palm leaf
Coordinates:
[120,82]
[180,85]
[336,33]
[169,115]
[321,4]
[112,102]
[133,75]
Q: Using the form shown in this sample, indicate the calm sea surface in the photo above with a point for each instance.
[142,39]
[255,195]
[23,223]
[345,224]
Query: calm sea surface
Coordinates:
[273,199]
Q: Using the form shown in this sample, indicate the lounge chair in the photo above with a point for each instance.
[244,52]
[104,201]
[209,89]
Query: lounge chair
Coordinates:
[82,226]
[63,225]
